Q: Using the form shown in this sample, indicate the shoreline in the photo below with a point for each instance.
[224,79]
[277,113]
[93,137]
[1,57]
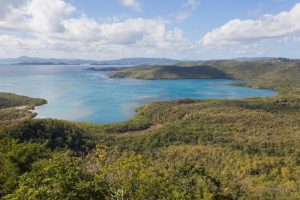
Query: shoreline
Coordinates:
[35,113]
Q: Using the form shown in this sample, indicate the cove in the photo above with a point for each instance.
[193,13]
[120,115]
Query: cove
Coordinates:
[75,94]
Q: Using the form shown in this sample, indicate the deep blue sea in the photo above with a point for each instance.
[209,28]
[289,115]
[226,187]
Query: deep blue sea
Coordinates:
[74,93]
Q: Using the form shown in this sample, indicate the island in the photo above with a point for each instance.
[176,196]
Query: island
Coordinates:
[282,72]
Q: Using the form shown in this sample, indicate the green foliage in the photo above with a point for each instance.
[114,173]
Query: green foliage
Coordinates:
[170,72]
[237,174]
[13,114]
[280,75]
[126,174]
[245,149]
[58,134]
[277,74]
[62,177]
[132,176]
[111,174]
[8,100]
[255,126]
[202,149]
[14,107]
[16,159]
[139,122]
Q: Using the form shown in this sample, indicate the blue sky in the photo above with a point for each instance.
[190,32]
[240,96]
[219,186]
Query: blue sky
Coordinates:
[208,15]
[185,29]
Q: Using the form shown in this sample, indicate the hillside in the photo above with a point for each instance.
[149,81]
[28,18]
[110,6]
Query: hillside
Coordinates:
[13,107]
[170,72]
[182,149]
[277,73]
[8,100]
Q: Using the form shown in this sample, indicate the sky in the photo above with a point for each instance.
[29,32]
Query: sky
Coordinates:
[178,29]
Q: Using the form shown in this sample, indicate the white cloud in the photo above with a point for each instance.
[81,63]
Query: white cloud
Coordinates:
[242,31]
[6,6]
[46,16]
[189,7]
[48,27]
[182,16]
[134,4]
[132,31]
[34,15]
[193,4]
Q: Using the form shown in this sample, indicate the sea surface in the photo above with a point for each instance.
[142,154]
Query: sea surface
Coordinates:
[76,94]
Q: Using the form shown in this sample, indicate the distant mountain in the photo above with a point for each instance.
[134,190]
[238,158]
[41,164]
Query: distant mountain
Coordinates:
[25,60]
[254,59]
[138,61]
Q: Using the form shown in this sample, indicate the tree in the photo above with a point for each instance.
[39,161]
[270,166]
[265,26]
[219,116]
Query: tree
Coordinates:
[61,177]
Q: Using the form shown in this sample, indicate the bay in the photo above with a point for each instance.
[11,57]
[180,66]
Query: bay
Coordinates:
[76,94]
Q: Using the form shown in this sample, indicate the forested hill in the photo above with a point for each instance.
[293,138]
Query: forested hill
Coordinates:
[8,100]
[277,73]
[184,149]
[13,107]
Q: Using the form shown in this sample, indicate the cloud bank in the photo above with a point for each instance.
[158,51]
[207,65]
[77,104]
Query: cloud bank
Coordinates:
[55,28]
[49,25]
[267,27]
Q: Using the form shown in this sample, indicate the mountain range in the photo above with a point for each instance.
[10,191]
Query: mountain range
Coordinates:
[25,60]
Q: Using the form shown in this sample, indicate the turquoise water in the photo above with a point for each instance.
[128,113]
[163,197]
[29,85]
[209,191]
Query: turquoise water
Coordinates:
[76,94]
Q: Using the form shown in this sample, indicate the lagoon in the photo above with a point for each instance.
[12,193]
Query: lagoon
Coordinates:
[76,94]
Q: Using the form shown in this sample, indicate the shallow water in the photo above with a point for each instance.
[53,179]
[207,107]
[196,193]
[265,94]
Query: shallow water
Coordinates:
[76,94]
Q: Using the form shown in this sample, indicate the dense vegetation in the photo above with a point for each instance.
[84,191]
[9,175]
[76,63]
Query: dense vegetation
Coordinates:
[262,73]
[202,149]
[14,107]
[8,100]
[170,72]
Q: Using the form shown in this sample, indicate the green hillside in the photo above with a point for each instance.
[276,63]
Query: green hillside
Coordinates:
[8,100]
[170,72]
[277,73]
[182,149]
[13,107]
